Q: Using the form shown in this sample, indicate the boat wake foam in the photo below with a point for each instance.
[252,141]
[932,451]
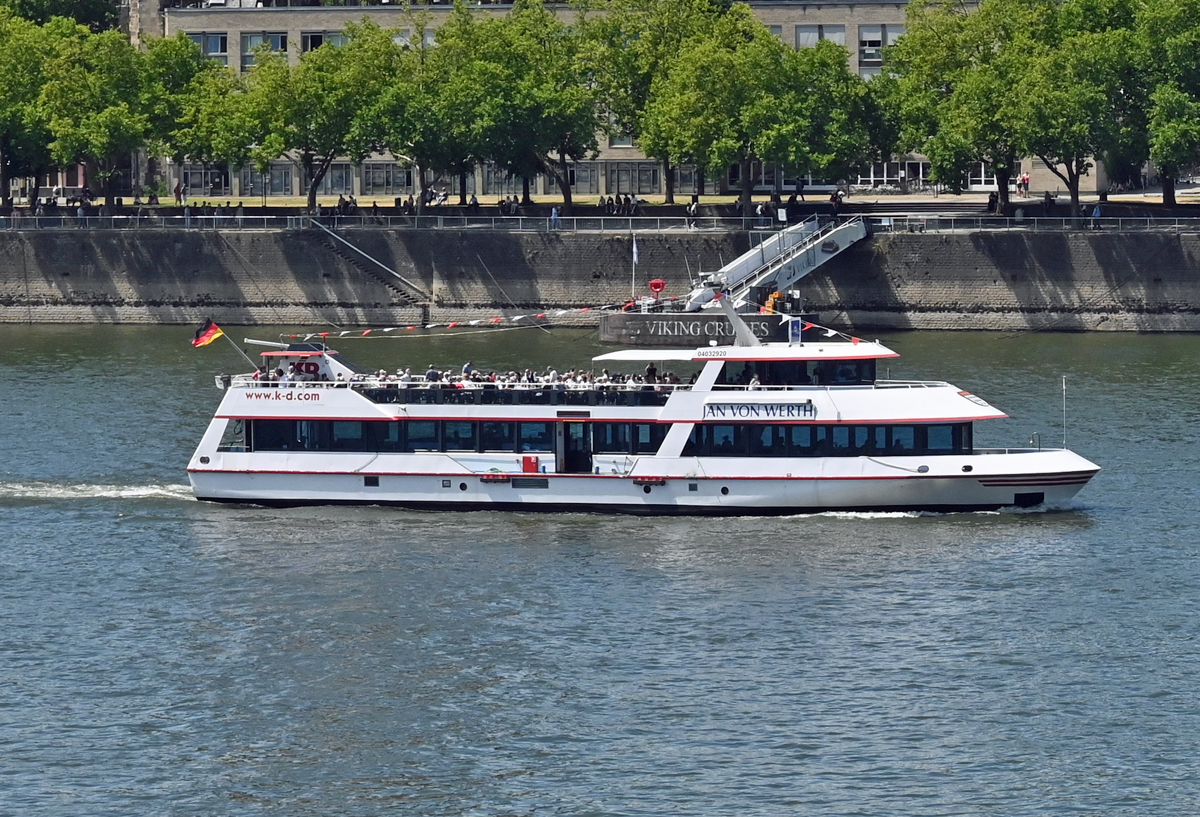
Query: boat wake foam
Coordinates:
[61,490]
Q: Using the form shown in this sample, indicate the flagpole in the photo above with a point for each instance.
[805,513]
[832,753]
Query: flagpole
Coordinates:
[240,350]
[633,271]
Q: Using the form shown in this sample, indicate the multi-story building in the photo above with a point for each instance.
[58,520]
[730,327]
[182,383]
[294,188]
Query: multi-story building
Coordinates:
[231,30]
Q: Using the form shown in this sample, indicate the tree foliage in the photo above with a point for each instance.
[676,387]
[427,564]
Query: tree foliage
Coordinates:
[738,95]
[308,111]
[625,46]
[98,15]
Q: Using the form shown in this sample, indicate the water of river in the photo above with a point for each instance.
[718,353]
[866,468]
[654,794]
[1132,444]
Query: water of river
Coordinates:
[162,656]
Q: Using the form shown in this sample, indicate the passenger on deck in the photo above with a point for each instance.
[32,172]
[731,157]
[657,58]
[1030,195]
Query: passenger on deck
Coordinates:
[754,384]
[432,375]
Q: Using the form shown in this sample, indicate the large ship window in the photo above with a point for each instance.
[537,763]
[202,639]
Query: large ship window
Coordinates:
[274,435]
[234,436]
[768,441]
[610,438]
[498,436]
[806,441]
[422,435]
[459,436]
[536,437]
[388,435]
[904,440]
[784,373]
[647,437]
[760,440]
[845,372]
[348,436]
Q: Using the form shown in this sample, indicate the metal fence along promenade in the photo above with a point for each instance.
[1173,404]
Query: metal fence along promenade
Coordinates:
[897,223]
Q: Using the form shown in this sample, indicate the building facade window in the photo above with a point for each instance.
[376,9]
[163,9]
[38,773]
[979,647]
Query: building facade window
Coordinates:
[872,39]
[687,180]
[643,178]
[214,46]
[497,182]
[312,40]
[807,36]
[200,181]
[620,140]
[584,178]
[386,179]
[275,182]
[881,174]
[250,42]
[338,180]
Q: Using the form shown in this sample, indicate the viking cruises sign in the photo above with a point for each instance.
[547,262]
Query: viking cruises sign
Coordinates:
[682,329]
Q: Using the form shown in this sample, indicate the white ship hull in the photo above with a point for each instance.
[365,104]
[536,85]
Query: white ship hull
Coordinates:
[760,429]
[656,486]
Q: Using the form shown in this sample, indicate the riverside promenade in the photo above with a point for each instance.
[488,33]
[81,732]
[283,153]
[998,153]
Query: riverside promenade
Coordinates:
[942,264]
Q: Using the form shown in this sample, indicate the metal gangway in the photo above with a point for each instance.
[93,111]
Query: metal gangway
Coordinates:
[787,256]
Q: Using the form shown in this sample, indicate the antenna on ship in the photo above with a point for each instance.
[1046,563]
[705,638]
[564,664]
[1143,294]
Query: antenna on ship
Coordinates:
[1064,411]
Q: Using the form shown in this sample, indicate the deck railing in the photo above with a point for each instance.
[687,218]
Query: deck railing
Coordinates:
[899,223]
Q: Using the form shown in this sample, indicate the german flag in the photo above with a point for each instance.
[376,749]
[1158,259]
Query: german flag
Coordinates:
[207,334]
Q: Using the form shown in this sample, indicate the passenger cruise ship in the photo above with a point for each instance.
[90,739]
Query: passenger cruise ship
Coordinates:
[776,428]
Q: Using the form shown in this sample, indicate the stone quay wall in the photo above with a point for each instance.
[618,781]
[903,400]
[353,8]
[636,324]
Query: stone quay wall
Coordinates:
[1004,280]
[1013,280]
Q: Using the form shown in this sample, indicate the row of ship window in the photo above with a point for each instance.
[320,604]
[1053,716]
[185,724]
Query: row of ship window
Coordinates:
[705,439]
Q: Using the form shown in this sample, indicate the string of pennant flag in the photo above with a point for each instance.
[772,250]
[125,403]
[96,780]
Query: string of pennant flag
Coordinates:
[532,320]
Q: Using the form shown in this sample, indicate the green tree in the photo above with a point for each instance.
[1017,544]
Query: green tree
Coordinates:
[737,95]
[98,15]
[955,72]
[426,116]
[537,112]
[92,102]
[625,47]
[1072,103]
[308,111]
[178,82]
[1174,135]
[25,50]
[1168,33]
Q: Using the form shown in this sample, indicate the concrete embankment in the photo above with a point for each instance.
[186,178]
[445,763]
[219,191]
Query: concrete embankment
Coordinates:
[1014,280]
[1070,281]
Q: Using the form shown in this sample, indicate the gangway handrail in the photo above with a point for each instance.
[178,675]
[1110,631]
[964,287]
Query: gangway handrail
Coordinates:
[412,287]
[810,240]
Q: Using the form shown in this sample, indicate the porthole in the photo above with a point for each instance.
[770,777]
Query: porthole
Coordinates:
[968,469]
[724,491]
[462,486]
[204,460]
[923,469]
[645,489]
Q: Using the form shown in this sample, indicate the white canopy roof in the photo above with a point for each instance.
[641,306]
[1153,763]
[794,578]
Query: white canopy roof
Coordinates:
[813,350]
[633,355]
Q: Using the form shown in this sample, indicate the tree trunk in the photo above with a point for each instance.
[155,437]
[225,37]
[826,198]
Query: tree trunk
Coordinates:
[700,181]
[746,200]
[5,187]
[422,189]
[1002,179]
[669,181]
[462,189]
[563,177]
[1073,189]
[315,178]
[525,200]
[1168,186]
